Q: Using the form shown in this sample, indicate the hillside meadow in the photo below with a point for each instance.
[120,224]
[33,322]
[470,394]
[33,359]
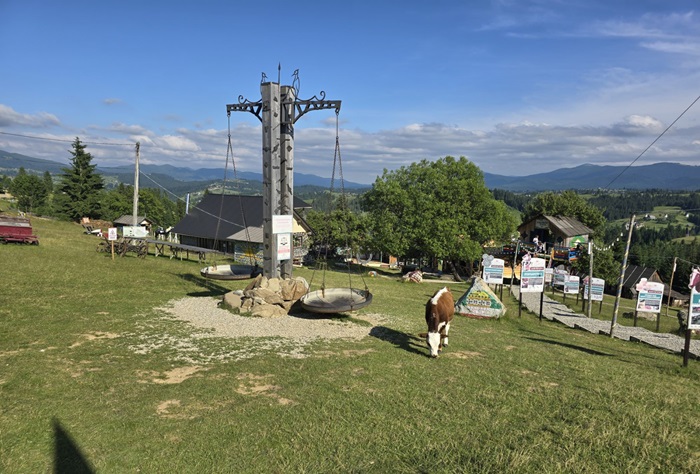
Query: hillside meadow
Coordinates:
[98,376]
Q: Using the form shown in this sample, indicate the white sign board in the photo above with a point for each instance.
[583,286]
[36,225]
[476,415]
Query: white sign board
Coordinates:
[694,313]
[598,288]
[284,246]
[493,273]
[649,296]
[134,231]
[571,284]
[532,275]
[282,224]
[112,233]
[694,309]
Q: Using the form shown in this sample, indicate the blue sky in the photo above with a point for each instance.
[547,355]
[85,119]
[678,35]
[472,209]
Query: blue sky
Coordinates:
[516,86]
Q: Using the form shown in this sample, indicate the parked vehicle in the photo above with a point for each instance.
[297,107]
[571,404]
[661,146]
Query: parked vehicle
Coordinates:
[18,230]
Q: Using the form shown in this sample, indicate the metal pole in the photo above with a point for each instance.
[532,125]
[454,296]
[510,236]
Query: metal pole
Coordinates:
[668,300]
[590,276]
[270,92]
[135,209]
[288,96]
[622,277]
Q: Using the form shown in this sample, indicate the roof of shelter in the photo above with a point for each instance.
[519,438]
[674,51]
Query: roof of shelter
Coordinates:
[128,219]
[566,225]
[235,212]
[633,274]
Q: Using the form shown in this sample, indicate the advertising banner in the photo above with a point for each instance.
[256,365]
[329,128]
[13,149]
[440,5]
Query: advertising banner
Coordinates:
[134,231]
[694,310]
[532,275]
[571,285]
[649,296]
[598,287]
[493,270]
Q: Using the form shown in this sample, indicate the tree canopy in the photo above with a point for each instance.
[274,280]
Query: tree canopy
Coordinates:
[568,204]
[30,190]
[81,186]
[439,209]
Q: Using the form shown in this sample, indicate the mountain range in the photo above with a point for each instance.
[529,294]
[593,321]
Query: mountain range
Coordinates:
[671,176]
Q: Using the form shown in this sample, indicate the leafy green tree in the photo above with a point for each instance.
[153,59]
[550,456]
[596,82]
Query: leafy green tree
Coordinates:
[29,190]
[439,209]
[340,228]
[80,188]
[604,265]
[568,204]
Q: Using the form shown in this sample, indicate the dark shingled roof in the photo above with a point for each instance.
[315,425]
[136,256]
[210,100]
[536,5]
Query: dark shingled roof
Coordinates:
[203,219]
[568,225]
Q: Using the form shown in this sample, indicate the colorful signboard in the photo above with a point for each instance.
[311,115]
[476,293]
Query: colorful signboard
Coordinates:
[694,310]
[598,288]
[493,270]
[649,296]
[532,275]
[571,285]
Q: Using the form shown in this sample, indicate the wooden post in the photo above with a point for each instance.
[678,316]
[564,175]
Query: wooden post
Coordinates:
[135,207]
[622,277]
[668,300]
[112,242]
[541,303]
[590,277]
[520,305]
[686,350]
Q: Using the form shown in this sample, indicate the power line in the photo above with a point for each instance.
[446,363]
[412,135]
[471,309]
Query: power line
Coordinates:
[652,143]
[63,140]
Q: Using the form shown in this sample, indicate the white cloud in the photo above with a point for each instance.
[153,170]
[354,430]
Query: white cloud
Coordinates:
[9,118]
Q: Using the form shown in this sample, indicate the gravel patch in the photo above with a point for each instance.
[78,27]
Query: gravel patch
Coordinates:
[288,336]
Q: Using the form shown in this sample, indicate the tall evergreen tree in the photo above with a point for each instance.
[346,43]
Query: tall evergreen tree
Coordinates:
[80,187]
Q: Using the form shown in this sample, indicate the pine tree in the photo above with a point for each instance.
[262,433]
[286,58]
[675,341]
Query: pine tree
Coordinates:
[80,187]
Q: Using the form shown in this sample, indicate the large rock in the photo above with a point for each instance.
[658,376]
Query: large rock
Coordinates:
[233,300]
[268,311]
[267,298]
[292,290]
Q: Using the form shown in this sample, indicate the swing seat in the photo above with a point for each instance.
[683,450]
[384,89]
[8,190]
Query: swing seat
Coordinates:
[231,272]
[336,300]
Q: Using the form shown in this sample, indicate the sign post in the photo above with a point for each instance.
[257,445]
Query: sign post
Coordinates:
[112,236]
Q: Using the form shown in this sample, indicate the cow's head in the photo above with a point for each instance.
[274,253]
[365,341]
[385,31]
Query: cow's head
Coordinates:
[433,340]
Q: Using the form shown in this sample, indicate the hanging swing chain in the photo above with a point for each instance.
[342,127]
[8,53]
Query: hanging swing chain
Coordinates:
[251,258]
[229,151]
[343,201]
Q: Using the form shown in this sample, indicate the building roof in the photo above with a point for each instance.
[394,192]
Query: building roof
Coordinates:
[633,274]
[128,219]
[568,226]
[237,213]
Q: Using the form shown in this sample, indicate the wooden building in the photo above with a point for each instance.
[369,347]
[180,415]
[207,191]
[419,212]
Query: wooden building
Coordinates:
[233,224]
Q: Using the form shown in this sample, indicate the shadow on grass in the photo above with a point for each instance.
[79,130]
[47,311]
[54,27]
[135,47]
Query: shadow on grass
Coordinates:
[400,339]
[570,346]
[210,287]
[67,457]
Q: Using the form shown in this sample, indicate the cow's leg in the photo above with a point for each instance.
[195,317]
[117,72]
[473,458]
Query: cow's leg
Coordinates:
[446,331]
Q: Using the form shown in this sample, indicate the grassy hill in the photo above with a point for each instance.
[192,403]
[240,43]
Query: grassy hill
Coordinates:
[97,373]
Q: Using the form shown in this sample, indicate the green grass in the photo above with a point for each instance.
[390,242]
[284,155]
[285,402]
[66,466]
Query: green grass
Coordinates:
[513,395]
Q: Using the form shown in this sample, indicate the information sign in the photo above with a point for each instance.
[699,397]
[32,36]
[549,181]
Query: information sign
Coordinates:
[649,296]
[532,275]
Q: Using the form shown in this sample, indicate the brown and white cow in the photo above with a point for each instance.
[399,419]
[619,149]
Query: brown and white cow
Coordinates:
[439,311]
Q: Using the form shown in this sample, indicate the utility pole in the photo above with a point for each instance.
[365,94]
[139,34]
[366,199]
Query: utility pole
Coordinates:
[622,277]
[278,110]
[590,276]
[135,209]
[668,300]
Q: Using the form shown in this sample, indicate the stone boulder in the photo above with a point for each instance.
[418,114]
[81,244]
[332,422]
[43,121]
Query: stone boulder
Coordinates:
[267,297]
